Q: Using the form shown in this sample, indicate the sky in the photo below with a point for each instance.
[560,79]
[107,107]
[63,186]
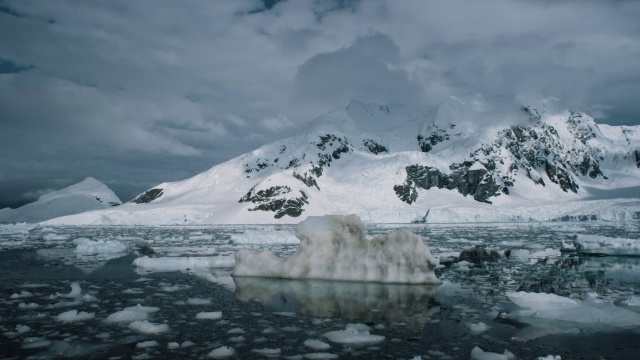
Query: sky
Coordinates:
[135,93]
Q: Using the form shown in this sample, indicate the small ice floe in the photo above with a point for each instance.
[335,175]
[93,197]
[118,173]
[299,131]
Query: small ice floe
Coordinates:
[353,334]
[20,329]
[198,301]
[462,266]
[549,357]
[34,343]
[590,311]
[602,245]
[235,331]
[213,315]
[316,344]
[524,254]
[74,315]
[477,328]
[634,300]
[90,247]
[564,246]
[18,228]
[130,314]
[221,352]
[479,354]
[335,247]
[320,356]
[267,351]
[164,264]
[259,237]
[146,327]
[76,292]
[23,294]
[147,344]
[174,345]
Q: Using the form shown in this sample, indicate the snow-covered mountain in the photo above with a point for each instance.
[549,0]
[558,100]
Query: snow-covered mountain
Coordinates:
[89,194]
[471,159]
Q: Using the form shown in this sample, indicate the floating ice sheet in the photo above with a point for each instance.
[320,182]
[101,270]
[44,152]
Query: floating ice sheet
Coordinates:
[183,263]
[596,244]
[335,247]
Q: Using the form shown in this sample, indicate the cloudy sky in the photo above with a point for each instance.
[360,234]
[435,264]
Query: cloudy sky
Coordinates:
[135,93]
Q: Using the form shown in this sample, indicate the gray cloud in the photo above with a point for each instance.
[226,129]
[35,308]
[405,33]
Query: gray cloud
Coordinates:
[136,93]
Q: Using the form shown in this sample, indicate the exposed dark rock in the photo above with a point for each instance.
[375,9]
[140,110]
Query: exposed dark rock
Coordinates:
[479,255]
[374,147]
[264,195]
[111,203]
[148,196]
[293,163]
[637,155]
[307,179]
[479,183]
[427,143]
[560,176]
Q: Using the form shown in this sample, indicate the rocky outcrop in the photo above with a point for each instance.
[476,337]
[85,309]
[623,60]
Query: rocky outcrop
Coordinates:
[467,178]
[433,136]
[274,199]
[147,196]
[374,147]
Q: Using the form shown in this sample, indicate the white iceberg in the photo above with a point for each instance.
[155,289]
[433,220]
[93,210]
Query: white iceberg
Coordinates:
[596,244]
[335,247]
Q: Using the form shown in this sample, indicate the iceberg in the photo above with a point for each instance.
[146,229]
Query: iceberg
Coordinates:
[602,245]
[335,247]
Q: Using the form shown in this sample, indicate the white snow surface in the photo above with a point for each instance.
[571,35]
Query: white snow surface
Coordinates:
[335,247]
[360,181]
[89,194]
[597,244]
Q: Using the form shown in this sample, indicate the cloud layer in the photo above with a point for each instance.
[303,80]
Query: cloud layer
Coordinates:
[136,93]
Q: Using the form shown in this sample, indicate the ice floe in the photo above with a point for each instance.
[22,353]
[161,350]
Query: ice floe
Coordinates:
[353,334]
[597,244]
[213,315]
[131,313]
[74,315]
[86,246]
[221,352]
[183,263]
[479,354]
[146,327]
[335,247]
[260,237]
[316,344]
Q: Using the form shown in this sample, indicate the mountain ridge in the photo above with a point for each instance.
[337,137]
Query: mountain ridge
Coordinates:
[387,164]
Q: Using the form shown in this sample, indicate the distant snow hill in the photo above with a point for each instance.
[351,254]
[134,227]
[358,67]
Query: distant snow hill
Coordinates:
[89,194]
[469,160]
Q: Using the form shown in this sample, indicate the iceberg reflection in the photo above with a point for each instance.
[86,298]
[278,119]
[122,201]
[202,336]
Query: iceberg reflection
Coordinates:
[363,302]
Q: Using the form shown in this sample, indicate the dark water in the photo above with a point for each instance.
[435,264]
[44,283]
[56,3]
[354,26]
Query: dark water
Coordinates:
[428,321]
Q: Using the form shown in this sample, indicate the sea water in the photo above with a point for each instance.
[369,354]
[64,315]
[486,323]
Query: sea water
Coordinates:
[58,299]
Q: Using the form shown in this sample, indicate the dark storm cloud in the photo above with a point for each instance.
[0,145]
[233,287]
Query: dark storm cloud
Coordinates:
[139,92]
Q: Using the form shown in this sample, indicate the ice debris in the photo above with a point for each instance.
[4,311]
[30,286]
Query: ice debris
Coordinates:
[97,247]
[76,292]
[335,247]
[222,352]
[213,315]
[259,237]
[145,327]
[74,315]
[353,334]
[602,245]
[183,263]
[479,354]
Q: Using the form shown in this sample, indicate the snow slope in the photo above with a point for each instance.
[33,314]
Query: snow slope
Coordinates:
[470,159]
[89,194]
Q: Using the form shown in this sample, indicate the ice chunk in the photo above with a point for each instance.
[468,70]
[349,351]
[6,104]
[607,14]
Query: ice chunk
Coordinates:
[146,327]
[183,263]
[127,316]
[214,315]
[34,343]
[549,357]
[267,351]
[316,344]
[320,356]
[353,334]
[90,247]
[591,311]
[632,301]
[479,354]
[20,329]
[198,301]
[596,244]
[74,315]
[76,291]
[258,237]
[146,344]
[23,294]
[477,328]
[335,247]
[222,352]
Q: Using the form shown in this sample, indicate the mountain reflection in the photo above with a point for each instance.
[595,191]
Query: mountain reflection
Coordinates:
[362,302]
